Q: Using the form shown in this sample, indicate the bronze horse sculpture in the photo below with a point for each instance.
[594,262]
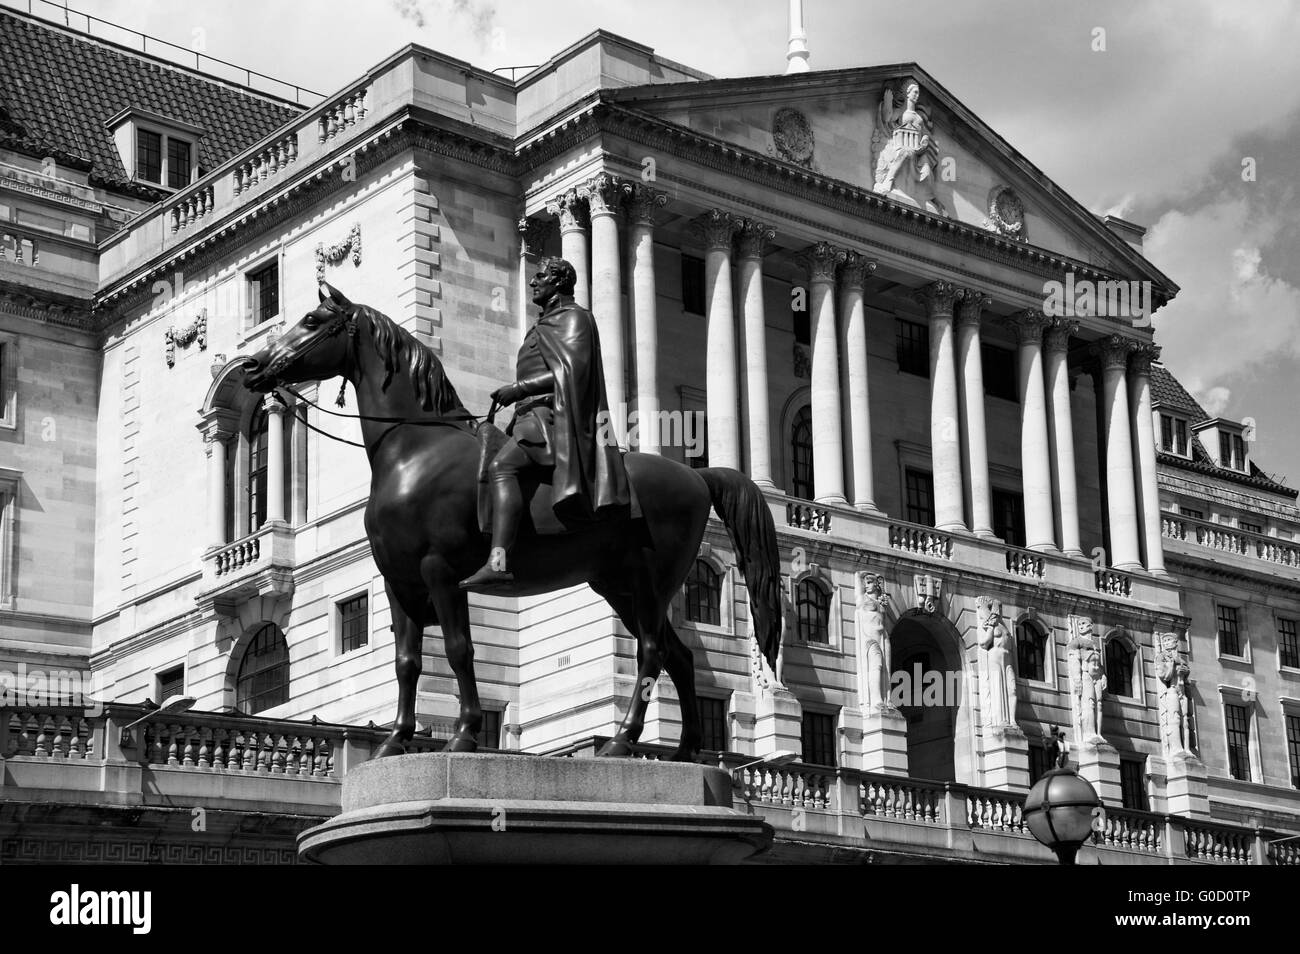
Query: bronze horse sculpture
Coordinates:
[421,521]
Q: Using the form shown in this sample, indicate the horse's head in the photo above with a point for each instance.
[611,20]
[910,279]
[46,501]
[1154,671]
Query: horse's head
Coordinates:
[314,349]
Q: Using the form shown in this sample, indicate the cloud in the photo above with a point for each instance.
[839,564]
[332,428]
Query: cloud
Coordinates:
[1215,400]
[481,17]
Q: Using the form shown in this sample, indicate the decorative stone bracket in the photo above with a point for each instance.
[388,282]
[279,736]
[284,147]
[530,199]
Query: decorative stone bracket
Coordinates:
[196,330]
[336,253]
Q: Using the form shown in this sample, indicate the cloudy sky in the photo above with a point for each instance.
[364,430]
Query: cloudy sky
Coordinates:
[1187,122]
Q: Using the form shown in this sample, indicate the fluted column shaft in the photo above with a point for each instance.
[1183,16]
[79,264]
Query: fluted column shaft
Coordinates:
[604,198]
[975,448]
[821,260]
[1144,455]
[645,316]
[274,459]
[1056,343]
[853,275]
[1120,495]
[1035,456]
[722,393]
[750,240]
[945,447]
[571,209]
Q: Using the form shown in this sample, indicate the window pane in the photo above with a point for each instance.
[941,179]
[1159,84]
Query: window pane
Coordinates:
[171,683]
[713,722]
[1031,651]
[148,156]
[1229,633]
[1293,748]
[1009,517]
[704,595]
[257,456]
[1180,437]
[693,285]
[265,286]
[263,672]
[818,736]
[801,454]
[813,604]
[1288,644]
[489,737]
[1237,719]
[914,348]
[920,497]
[1001,377]
[353,622]
[1166,432]
[178,163]
[1119,669]
[1132,783]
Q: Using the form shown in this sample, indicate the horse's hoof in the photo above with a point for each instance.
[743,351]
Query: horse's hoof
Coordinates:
[614,748]
[685,753]
[392,746]
[461,742]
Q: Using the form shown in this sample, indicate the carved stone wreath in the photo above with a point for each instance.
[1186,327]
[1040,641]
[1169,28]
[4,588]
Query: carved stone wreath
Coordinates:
[196,330]
[1006,213]
[792,136]
[333,254]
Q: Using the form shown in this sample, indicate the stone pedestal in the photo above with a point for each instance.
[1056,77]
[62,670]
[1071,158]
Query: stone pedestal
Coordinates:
[1099,763]
[437,808]
[884,741]
[1006,758]
[778,718]
[1183,779]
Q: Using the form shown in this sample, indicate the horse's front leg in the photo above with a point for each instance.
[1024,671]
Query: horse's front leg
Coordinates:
[649,665]
[408,608]
[452,606]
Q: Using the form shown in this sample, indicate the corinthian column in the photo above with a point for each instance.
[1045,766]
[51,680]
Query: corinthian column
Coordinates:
[1056,342]
[853,276]
[970,372]
[750,242]
[938,298]
[1144,454]
[571,209]
[604,198]
[821,260]
[1035,458]
[722,388]
[645,319]
[1121,501]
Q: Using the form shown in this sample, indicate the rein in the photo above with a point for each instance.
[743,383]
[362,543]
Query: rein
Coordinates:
[442,420]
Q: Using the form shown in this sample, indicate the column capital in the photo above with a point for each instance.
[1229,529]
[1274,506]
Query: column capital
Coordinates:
[1113,351]
[270,405]
[855,271]
[643,202]
[821,260]
[938,298]
[570,208]
[714,229]
[1144,353]
[604,193]
[1027,325]
[1056,337]
[752,238]
[971,309]
[218,424]
[533,234]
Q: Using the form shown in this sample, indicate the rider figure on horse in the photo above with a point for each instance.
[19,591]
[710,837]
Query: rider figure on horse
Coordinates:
[560,431]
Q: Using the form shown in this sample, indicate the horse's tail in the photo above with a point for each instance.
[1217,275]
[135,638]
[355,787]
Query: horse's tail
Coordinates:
[745,514]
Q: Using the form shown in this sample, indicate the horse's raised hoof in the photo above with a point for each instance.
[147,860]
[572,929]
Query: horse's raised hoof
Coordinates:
[615,748]
[461,742]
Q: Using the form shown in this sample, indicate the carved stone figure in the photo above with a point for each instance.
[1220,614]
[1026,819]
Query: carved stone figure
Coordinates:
[872,639]
[904,155]
[1087,681]
[1172,671]
[998,679]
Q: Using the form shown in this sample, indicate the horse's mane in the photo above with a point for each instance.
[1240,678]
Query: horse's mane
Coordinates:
[432,387]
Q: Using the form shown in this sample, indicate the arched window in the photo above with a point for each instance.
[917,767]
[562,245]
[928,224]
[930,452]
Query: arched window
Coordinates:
[257,456]
[1031,652]
[704,594]
[263,680]
[813,609]
[1119,668]
[801,456]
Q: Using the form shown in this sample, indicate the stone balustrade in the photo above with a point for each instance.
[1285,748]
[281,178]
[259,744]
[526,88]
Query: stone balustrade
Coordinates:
[920,540]
[806,516]
[190,207]
[347,110]
[1025,563]
[1233,540]
[271,160]
[1114,583]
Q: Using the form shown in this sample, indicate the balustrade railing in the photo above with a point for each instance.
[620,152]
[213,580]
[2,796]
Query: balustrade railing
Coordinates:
[191,207]
[265,163]
[347,111]
[991,810]
[1226,539]
[1130,830]
[923,541]
[1206,842]
[806,516]
[1026,563]
[886,797]
[49,733]
[1114,583]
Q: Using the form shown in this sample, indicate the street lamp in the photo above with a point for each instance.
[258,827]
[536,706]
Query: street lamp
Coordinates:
[1060,808]
[170,704]
[778,759]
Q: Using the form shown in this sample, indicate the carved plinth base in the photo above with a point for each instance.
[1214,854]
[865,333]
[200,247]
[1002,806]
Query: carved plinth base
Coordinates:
[436,808]
[778,718]
[1099,763]
[884,741]
[1006,758]
[1183,778]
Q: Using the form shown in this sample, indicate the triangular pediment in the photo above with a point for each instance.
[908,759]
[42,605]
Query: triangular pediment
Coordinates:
[937,155]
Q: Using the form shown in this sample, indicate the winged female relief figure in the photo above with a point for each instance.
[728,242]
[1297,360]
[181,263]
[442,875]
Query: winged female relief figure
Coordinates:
[904,155]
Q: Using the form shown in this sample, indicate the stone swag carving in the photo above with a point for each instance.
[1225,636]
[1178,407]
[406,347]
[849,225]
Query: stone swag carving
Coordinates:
[904,155]
[874,663]
[1172,671]
[1087,681]
[336,253]
[195,331]
[998,676]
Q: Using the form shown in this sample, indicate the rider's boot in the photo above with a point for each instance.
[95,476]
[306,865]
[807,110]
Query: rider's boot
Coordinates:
[507,507]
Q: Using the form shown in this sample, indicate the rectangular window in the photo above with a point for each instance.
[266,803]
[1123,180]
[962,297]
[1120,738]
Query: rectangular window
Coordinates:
[701,432]
[1225,450]
[1237,720]
[1040,762]
[913,348]
[713,722]
[1132,784]
[1288,645]
[489,737]
[354,622]
[919,494]
[148,156]
[1166,432]
[1009,517]
[1293,748]
[1001,376]
[1229,631]
[1189,512]
[178,163]
[693,285]
[171,683]
[1250,527]
[8,545]
[264,286]
[818,732]
[1173,435]
[1239,452]
[1180,437]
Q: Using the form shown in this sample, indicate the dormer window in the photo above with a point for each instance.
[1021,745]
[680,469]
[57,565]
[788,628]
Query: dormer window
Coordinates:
[1224,442]
[156,149]
[1173,435]
[1232,451]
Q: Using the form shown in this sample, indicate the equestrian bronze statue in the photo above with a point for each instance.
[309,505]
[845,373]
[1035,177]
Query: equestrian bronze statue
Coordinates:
[567,507]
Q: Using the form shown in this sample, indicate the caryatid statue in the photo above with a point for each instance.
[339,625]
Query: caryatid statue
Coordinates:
[1172,671]
[872,640]
[1087,681]
[998,680]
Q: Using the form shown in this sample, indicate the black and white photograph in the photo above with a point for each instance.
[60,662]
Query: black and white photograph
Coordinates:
[658,433]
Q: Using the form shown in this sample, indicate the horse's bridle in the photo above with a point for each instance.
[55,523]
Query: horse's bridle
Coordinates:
[343,321]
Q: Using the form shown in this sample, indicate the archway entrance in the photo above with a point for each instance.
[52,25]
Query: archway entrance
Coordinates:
[926,685]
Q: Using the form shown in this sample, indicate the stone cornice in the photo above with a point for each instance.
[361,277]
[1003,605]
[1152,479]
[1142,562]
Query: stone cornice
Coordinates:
[48,307]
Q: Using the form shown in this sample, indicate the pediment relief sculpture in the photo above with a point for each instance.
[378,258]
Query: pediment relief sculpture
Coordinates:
[904,155]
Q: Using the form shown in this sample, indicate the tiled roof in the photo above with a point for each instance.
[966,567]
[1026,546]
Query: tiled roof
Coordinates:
[58,88]
[1166,389]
